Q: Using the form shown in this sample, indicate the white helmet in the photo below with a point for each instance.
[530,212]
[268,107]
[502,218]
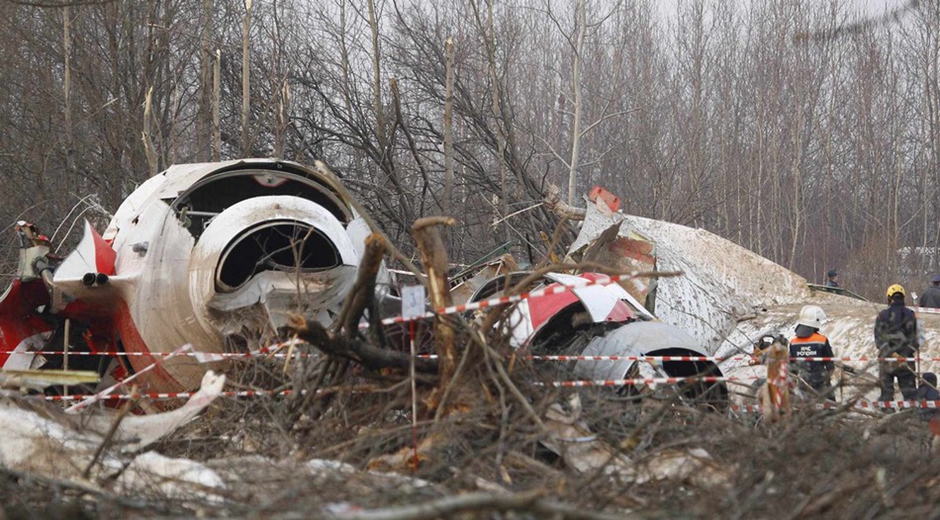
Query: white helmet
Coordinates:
[811,316]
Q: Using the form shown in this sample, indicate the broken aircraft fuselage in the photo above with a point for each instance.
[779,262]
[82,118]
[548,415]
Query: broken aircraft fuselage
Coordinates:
[201,254]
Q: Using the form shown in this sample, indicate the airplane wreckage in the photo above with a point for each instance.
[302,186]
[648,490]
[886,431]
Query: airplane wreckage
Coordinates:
[214,255]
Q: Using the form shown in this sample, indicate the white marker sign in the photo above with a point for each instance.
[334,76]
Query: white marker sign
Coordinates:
[412,301]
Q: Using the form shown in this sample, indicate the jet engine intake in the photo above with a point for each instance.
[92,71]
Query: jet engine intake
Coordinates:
[265,248]
[287,246]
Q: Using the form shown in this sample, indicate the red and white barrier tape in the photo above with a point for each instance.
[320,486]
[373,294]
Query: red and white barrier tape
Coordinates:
[866,359]
[638,358]
[925,310]
[163,395]
[203,357]
[718,359]
[207,357]
[107,391]
[647,381]
[105,396]
[743,408]
[865,405]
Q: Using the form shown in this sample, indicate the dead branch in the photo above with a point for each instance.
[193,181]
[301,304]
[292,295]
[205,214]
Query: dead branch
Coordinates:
[396,102]
[447,507]
[361,352]
[434,258]
[110,435]
[131,503]
[362,294]
[561,208]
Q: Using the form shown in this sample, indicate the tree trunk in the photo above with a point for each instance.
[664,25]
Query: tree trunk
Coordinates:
[246,81]
[434,259]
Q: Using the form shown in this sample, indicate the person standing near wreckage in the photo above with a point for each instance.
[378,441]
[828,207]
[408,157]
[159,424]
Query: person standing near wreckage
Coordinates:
[896,337]
[809,343]
[931,297]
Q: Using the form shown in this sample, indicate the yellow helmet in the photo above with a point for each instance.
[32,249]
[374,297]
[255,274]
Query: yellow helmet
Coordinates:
[894,289]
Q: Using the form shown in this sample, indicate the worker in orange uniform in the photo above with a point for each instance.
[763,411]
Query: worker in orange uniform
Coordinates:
[809,343]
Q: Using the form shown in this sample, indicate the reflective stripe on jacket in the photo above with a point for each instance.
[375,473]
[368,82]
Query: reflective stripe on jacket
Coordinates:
[815,345]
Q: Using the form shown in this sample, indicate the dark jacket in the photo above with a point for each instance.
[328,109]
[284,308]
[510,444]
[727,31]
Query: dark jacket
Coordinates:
[930,298]
[896,331]
[810,343]
[927,391]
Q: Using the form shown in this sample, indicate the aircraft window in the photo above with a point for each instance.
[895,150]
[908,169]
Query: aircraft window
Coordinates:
[274,246]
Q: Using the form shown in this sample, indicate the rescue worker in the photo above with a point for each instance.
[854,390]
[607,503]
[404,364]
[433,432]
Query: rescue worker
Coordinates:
[833,280]
[896,336]
[810,343]
[931,297]
[927,391]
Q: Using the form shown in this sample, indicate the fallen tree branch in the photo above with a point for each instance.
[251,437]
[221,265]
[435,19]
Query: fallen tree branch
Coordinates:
[361,352]
[362,294]
[110,435]
[447,507]
[561,208]
[82,487]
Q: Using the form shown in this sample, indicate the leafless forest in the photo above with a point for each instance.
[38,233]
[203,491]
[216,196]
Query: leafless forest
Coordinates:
[792,127]
[814,145]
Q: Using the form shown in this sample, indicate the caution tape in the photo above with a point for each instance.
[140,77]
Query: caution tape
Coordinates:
[638,358]
[206,356]
[203,357]
[648,381]
[864,405]
[164,395]
[107,391]
[271,352]
[281,393]
[867,359]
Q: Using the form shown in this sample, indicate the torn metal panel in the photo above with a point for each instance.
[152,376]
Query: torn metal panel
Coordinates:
[601,319]
[468,282]
[577,445]
[721,281]
[602,303]
[633,252]
[637,339]
[54,445]
[583,451]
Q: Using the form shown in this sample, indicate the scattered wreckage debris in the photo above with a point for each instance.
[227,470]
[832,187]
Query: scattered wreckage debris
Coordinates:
[728,296]
[482,425]
[100,446]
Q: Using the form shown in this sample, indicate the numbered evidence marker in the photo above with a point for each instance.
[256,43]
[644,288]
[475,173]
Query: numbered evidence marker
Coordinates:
[412,301]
